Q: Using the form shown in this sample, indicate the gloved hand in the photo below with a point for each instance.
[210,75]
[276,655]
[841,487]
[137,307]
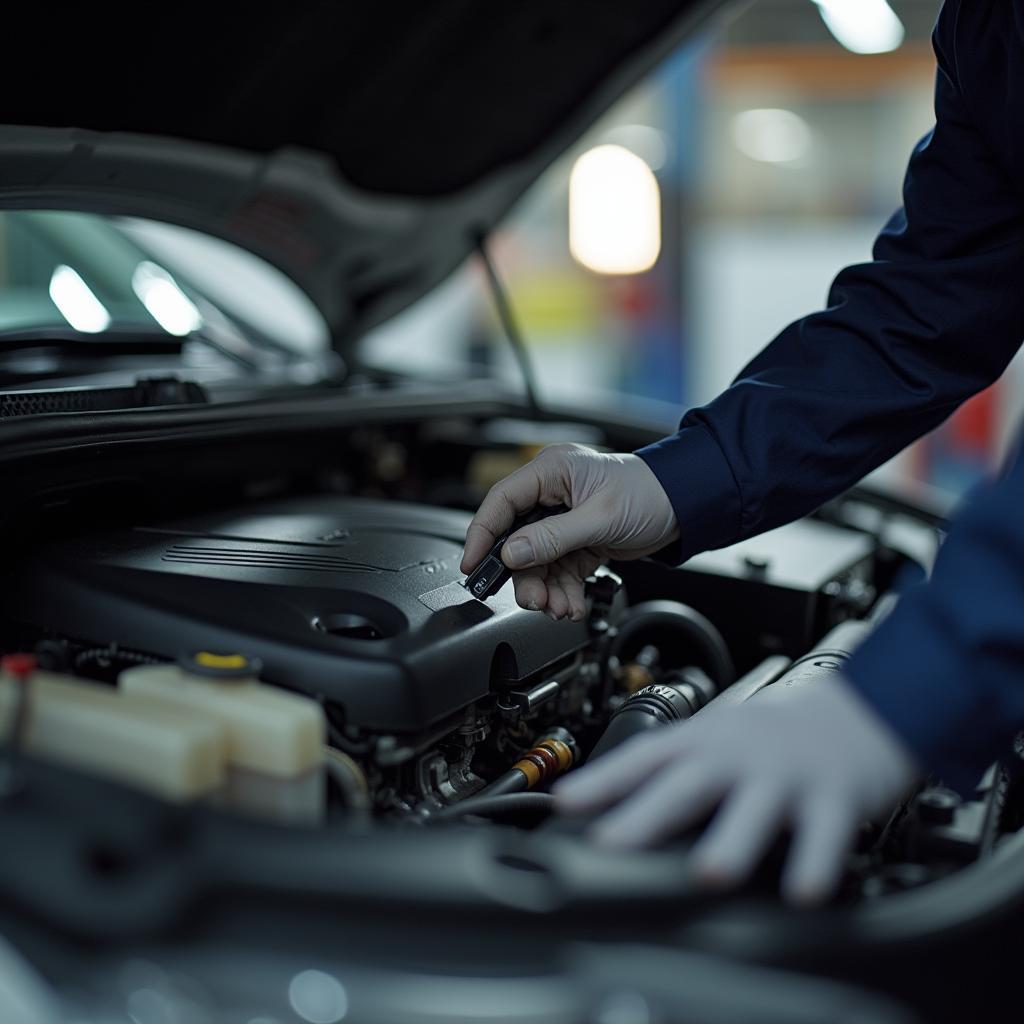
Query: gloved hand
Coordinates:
[617,510]
[820,762]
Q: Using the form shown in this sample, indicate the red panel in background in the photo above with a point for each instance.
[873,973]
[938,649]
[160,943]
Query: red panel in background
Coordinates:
[964,450]
[636,297]
[973,430]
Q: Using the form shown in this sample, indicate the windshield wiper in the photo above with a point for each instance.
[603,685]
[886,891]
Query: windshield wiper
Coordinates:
[123,341]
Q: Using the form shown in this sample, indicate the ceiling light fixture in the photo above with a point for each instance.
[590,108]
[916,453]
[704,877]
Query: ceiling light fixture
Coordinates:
[77,302]
[772,136]
[614,212]
[863,26]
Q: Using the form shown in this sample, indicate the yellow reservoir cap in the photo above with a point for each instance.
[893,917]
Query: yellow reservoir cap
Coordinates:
[207,659]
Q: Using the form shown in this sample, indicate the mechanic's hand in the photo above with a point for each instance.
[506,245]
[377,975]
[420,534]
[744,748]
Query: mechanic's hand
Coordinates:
[820,762]
[617,509]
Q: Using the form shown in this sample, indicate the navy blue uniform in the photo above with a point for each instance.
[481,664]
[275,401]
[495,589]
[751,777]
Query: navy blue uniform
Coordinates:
[905,339]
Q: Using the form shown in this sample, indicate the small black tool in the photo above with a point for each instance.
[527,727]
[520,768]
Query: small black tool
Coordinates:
[492,573]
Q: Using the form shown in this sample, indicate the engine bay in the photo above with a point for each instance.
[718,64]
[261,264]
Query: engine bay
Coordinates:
[250,696]
[435,705]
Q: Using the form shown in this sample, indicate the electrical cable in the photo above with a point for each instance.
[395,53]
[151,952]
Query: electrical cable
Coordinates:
[111,657]
[510,325]
[350,780]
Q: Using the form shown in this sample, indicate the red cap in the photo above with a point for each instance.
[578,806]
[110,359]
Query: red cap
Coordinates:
[21,666]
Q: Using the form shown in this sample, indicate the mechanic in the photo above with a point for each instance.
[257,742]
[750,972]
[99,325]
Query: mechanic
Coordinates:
[939,686]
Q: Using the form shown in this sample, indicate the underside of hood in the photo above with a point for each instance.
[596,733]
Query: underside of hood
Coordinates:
[361,148]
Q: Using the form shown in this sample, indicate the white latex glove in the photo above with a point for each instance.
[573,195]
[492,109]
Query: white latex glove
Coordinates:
[617,510]
[820,762]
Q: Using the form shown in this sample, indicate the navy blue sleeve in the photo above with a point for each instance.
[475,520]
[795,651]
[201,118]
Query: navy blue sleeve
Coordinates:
[906,338]
[946,668]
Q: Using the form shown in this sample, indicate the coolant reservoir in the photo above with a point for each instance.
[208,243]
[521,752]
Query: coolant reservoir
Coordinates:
[273,739]
[167,752]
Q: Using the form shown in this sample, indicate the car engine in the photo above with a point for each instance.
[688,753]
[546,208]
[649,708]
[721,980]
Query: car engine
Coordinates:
[436,705]
[353,602]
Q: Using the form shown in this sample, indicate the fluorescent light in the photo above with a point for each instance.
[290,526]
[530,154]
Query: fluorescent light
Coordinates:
[614,212]
[76,301]
[165,302]
[771,136]
[863,26]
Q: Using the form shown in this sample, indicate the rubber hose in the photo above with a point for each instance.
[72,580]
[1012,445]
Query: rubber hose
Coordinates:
[513,781]
[495,806]
[714,653]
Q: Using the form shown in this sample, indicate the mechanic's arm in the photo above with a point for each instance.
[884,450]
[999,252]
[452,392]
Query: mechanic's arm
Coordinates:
[946,668]
[907,338]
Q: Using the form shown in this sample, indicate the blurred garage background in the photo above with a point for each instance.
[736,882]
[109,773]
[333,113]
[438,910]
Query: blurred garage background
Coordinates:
[708,209]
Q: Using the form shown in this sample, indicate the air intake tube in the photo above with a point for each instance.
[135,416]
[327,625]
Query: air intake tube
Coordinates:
[655,705]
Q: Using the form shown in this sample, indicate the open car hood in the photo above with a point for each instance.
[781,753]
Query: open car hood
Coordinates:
[363,149]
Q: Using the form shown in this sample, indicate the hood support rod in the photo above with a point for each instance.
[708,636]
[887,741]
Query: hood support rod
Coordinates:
[509,324]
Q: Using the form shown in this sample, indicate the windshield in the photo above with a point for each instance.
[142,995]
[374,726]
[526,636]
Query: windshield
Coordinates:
[77,289]
[75,271]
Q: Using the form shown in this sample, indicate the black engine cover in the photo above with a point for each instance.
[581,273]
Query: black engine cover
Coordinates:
[354,599]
